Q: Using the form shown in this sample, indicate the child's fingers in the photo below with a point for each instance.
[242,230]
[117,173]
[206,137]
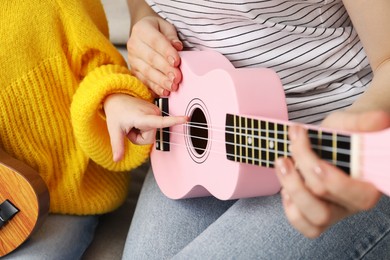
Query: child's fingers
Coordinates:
[153,121]
[141,137]
[117,143]
[144,131]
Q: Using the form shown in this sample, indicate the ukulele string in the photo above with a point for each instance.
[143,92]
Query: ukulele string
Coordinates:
[243,158]
[250,138]
[254,148]
[327,136]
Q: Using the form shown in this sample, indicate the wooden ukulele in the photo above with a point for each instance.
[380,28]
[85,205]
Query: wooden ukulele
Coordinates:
[24,202]
[238,126]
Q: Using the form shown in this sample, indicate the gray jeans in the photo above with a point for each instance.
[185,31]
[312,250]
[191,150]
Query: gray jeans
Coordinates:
[61,237]
[256,228]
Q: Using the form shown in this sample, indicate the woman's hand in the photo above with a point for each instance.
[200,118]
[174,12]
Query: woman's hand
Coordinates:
[153,54]
[135,119]
[316,194]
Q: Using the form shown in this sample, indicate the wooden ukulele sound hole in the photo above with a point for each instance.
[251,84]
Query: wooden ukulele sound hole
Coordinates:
[199,131]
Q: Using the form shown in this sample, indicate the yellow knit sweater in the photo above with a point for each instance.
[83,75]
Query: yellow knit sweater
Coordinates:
[57,66]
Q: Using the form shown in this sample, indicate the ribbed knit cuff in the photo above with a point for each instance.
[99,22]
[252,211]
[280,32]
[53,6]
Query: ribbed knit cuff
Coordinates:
[89,126]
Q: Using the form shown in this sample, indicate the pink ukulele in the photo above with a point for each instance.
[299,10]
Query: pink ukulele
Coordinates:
[238,126]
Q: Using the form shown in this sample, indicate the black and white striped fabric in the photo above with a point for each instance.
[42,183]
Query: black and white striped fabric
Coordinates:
[311,44]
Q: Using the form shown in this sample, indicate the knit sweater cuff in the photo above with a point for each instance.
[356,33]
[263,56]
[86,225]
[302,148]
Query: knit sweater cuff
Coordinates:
[89,126]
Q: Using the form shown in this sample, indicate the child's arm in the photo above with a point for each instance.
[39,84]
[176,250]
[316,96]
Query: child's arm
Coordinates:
[101,73]
[135,119]
[153,49]
[316,194]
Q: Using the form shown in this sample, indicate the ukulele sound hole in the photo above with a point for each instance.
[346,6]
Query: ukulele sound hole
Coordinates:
[198,131]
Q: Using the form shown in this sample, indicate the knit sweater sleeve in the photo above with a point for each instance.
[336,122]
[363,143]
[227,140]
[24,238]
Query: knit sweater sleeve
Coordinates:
[89,124]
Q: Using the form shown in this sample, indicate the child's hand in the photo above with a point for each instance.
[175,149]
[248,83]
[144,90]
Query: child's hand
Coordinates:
[153,54]
[315,193]
[135,119]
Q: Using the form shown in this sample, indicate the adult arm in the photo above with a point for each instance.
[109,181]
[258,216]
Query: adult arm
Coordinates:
[139,9]
[371,20]
[316,194]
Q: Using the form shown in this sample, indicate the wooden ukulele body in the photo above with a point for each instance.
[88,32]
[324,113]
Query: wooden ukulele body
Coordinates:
[21,188]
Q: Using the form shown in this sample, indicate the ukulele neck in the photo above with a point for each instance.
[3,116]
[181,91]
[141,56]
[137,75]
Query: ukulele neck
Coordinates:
[260,142]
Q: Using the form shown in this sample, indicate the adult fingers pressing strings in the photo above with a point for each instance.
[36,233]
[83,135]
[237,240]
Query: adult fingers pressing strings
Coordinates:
[135,119]
[312,183]
[317,185]
[153,54]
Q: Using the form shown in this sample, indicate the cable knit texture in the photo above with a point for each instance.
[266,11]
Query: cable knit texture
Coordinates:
[57,66]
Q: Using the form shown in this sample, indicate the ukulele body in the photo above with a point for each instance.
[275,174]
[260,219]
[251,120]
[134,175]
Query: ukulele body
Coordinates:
[25,191]
[196,164]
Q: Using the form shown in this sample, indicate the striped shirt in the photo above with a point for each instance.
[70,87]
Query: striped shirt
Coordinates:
[311,44]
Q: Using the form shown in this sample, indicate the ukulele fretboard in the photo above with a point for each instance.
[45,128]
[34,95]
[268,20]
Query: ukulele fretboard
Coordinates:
[260,142]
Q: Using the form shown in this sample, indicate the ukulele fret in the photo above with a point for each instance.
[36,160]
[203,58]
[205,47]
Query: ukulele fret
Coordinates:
[256,143]
[263,144]
[249,140]
[242,139]
[319,142]
[266,146]
[270,143]
[245,139]
[282,140]
[276,141]
[234,141]
[332,147]
[344,144]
